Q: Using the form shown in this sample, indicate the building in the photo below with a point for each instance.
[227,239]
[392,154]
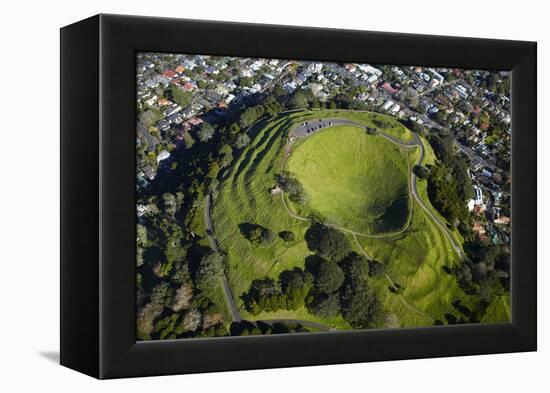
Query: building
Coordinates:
[462,92]
[395,109]
[436,76]
[387,86]
[486,173]
[476,204]
[388,105]
[371,79]
[163,155]
[169,74]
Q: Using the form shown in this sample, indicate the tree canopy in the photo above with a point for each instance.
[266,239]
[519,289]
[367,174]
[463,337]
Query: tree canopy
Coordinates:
[328,242]
[329,277]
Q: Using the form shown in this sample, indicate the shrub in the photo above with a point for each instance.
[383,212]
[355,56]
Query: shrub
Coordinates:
[287,236]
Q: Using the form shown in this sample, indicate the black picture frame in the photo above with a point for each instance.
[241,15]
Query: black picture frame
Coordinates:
[98,196]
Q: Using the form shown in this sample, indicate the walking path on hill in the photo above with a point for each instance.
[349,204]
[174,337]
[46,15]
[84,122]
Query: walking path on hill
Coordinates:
[309,128]
[392,284]
[231,305]
[228,294]
[301,131]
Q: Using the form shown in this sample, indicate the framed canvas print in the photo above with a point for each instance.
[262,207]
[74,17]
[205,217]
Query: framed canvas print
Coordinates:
[239,196]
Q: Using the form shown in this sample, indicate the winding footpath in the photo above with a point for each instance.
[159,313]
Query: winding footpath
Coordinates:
[392,284]
[301,132]
[229,299]
[228,294]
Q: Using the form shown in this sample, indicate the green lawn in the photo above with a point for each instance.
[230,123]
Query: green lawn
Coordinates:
[340,186]
[245,198]
[498,310]
[354,180]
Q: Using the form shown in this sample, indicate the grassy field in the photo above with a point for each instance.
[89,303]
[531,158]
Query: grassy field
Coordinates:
[415,259]
[498,310]
[245,199]
[339,167]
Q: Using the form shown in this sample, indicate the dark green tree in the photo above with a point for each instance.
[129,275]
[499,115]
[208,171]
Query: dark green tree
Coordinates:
[421,171]
[329,277]
[328,242]
[206,132]
[287,236]
[326,306]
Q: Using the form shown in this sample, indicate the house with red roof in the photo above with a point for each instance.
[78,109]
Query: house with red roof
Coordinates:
[387,86]
[169,74]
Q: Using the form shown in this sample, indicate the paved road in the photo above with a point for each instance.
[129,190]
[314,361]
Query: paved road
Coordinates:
[144,134]
[231,305]
[305,130]
[440,224]
[474,157]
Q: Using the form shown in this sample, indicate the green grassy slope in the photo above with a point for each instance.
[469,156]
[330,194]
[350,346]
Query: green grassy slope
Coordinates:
[354,180]
[498,310]
[245,198]
[415,259]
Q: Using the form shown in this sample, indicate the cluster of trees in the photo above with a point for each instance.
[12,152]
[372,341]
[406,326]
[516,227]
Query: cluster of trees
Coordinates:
[181,304]
[176,279]
[421,171]
[334,281]
[449,185]
[360,306]
[496,84]
[292,187]
[444,194]
[288,292]
[303,98]
[257,234]
[327,242]
[486,274]
[178,95]
[168,252]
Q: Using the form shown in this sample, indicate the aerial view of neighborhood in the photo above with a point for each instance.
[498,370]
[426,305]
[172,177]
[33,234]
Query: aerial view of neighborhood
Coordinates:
[289,196]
